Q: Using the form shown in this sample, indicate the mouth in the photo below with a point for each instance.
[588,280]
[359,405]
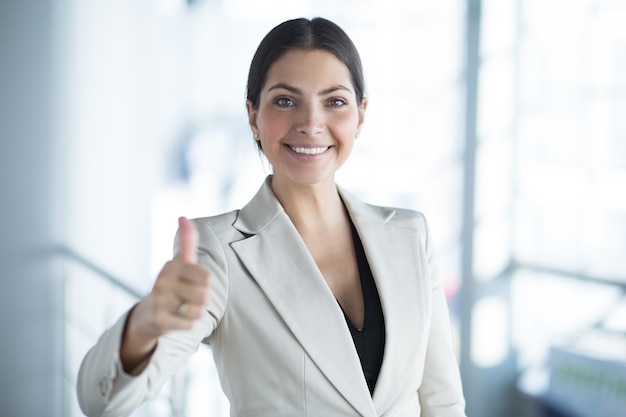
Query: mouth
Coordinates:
[309,150]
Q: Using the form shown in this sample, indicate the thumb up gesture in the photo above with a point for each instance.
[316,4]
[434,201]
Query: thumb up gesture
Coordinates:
[177,300]
[187,283]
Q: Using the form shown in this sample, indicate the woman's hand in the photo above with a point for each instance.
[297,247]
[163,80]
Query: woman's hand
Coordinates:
[177,299]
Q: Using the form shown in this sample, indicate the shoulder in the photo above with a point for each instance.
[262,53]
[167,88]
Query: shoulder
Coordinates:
[402,216]
[214,233]
[393,216]
[217,223]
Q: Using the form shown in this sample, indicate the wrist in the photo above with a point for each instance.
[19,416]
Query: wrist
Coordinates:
[136,347]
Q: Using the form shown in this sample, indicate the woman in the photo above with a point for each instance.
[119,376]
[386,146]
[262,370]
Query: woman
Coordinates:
[314,303]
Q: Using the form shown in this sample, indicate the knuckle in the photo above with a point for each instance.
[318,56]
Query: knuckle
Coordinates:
[205,277]
[186,325]
[168,266]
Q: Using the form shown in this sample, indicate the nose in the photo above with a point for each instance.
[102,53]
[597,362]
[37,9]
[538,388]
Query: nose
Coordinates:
[311,120]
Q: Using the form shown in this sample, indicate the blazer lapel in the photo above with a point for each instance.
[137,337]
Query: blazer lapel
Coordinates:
[277,258]
[393,254]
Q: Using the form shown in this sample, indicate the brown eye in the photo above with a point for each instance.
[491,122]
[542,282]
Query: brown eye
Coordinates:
[284,102]
[336,102]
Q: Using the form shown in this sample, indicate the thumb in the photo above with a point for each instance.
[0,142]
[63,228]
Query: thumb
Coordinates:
[188,240]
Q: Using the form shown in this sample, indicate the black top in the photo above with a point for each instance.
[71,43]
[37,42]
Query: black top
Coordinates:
[370,340]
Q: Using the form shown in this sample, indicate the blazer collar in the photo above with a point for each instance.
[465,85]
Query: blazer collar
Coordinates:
[393,253]
[260,211]
[265,207]
[277,258]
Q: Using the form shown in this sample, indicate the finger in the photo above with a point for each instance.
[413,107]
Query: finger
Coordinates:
[193,292]
[188,240]
[182,309]
[189,311]
[177,272]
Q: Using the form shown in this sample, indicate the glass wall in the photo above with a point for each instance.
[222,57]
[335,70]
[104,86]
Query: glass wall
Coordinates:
[550,203]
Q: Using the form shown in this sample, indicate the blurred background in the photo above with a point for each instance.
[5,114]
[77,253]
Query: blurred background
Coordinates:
[504,121]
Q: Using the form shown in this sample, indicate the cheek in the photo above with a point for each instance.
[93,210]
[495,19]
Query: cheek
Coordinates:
[270,121]
[346,126]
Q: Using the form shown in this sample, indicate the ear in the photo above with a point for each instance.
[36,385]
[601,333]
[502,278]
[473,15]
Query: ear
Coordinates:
[252,114]
[361,111]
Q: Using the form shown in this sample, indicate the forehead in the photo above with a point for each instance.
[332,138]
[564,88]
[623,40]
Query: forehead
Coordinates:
[308,67]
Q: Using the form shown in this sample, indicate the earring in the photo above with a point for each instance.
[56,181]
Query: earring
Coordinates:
[356,135]
[256,136]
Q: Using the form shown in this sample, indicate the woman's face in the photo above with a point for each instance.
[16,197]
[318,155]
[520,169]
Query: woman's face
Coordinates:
[308,116]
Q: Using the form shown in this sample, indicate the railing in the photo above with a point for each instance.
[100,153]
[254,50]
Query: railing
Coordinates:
[586,370]
[94,300]
[605,281]
[116,282]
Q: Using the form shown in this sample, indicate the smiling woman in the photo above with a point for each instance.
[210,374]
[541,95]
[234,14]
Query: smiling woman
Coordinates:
[314,302]
[307,117]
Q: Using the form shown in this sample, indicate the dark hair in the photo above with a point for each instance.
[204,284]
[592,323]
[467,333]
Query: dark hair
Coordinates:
[315,34]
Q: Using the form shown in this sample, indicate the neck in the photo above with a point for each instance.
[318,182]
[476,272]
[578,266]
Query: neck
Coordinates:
[312,208]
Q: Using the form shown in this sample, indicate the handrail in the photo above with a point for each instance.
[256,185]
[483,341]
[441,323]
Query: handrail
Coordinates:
[93,267]
[68,253]
[612,282]
[609,281]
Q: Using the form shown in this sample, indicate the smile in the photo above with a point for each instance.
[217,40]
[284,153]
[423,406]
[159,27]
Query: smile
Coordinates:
[309,151]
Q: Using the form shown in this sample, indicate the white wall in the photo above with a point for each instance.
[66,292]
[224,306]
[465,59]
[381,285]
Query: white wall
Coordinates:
[79,155]
[31,345]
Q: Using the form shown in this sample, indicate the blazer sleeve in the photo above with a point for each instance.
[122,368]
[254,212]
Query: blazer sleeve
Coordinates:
[105,390]
[441,392]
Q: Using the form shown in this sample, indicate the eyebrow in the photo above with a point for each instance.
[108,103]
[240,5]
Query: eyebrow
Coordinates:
[295,90]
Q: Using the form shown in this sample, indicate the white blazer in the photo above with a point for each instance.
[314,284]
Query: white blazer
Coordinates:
[279,338]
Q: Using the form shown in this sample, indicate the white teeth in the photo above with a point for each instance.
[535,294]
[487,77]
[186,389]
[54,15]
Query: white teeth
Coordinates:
[309,151]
